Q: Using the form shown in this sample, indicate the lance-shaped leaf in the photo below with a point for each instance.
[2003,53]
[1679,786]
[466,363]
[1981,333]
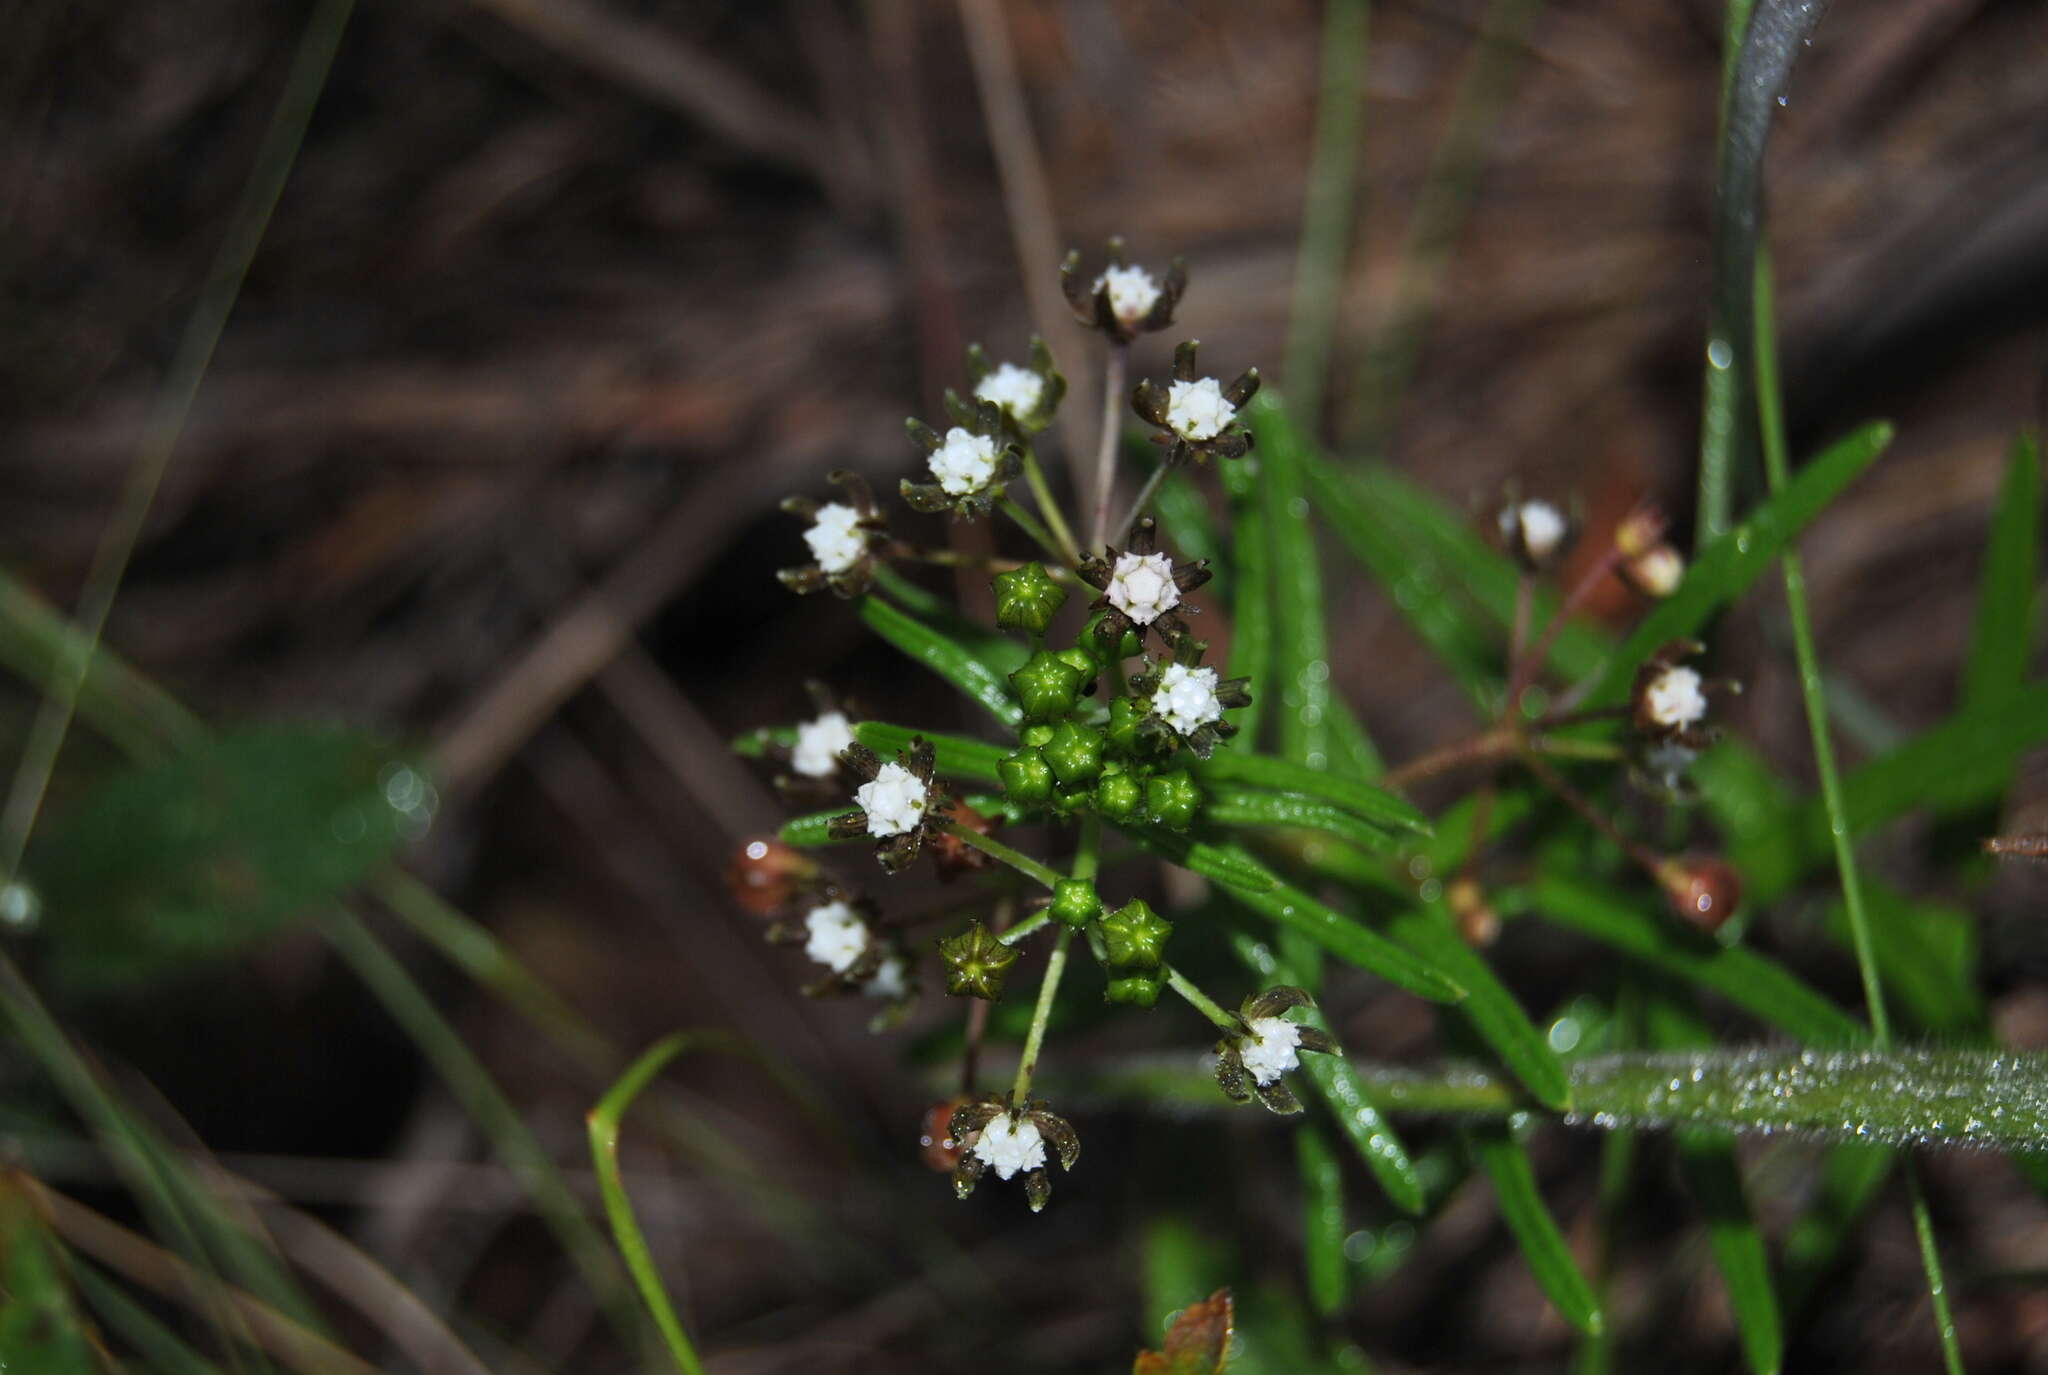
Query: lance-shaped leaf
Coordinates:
[1362,800]
[1495,1150]
[958,757]
[944,656]
[1488,1006]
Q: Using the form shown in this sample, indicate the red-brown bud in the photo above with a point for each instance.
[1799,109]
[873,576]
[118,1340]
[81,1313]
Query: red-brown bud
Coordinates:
[1704,890]
[766,874]
[952,856]
[1477,922]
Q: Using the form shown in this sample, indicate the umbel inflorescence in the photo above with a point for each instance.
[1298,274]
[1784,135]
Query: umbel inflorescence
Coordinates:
[1114,713]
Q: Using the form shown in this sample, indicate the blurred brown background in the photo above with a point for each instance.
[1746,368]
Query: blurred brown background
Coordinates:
[564,295]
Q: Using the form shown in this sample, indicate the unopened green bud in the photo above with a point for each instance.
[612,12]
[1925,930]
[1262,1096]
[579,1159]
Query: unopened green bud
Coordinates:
[1027,598]
[1026,776]
[1035,736]
[1135,935]
[1075,753]
[1047,687]
[1173,798]
[1139,990]
[1074,901]
[1119,796]
[977,964]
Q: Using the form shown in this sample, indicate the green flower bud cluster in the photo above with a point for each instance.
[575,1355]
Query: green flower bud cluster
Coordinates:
[1134,943]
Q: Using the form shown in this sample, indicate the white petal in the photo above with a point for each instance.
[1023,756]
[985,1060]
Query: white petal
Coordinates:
[894,801]
[818,744]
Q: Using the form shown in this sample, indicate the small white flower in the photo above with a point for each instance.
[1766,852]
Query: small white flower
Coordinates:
[837,936]
[818,744]
[836,539]
[1017,390]
[1658,570]
[894,801]
[1197,411]
[1141,586]
[1540,525]
[1008,1145]
[965,463]
[1186,698]
[1269,1051]
[891,980]
[1132,292]
[1674,699]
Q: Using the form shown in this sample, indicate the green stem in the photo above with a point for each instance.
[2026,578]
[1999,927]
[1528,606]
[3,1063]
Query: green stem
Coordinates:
[1137,506]
[1030,525]
[995,849]
[1041,1014]
[604,1152]
[1105,450]
[1200,1001]
[1011,935]
[1055,518]
[1777,469]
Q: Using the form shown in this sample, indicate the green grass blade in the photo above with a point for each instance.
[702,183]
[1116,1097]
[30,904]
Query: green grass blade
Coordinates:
[1495,1150]
[958,757]
[1362,800]
[1725,569]
[2002,638]
[1961,763]
[1640,928]
[1488,1006]
[604,1121]
[1301,644]
[946,657]
[163,1351]
[1337,1082]
[1254,807]
[813,829]
[1322,1219]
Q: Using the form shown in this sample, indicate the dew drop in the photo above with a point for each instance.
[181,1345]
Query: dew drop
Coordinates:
[1721,354]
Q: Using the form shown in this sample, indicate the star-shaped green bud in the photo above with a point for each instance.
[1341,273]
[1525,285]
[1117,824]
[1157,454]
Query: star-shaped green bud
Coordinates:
[1173,798]
[1047,687]
[1027,598]
[1119,796]
[1135,936]
[1140,990]
[1075,753]
[1074,902]
[977,964]
[1027,778]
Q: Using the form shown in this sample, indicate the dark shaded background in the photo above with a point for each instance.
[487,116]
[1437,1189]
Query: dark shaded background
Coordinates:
[562,297]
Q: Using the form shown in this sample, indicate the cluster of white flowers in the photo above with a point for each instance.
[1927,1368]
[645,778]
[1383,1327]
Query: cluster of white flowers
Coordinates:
[818,744]
[1197,410]
[836,936]
[1269,1051]
[1017,390]
[1674,698]
[1010,1144]
[965,463]
[1141,586]
[1132,292]
[894,801]
[1186,698]
[836,539]
[1540,525]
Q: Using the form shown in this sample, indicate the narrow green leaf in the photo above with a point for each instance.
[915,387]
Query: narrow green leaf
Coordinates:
[1961,763]
[1322,1219]
[40,1327]
[2002,640]
[162,1351]
[1251,611]
[1926,954]
[1639,927]
[1228,865]
[1185,519]
[1298,961]
[1228,806]
[1488,1006]
[813,829]
[958,757]
[1362,800]
[1497,1152]
[202,855]
[1001,653]
[1301,643]
[754,744]
[1725,569]
[948,658]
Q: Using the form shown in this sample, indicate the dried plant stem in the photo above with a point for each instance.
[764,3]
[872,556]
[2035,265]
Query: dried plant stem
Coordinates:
[1495,744]
[1523,669]
[1113,370]
[1643,855]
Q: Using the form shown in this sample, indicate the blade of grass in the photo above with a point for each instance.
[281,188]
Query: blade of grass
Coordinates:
[1255,807]
[1495,1150]
[1326,214]
[1777,468]
[1362,800]
[604,1122]
[163,1351]
[1301,643]
[1322,1219]
[2002,637]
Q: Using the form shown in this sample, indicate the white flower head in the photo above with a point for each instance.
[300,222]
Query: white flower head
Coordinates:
[818,744]
[1198,410]
[836,538]
[1268,1051]
[1142,587]
[837,937]
[1010,1144]
[965,463]
[1017,390]
[894,801]
[891,980]
[1658,570]
[1186,698]
[1674,699]
[1536,526]
[1132,292]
